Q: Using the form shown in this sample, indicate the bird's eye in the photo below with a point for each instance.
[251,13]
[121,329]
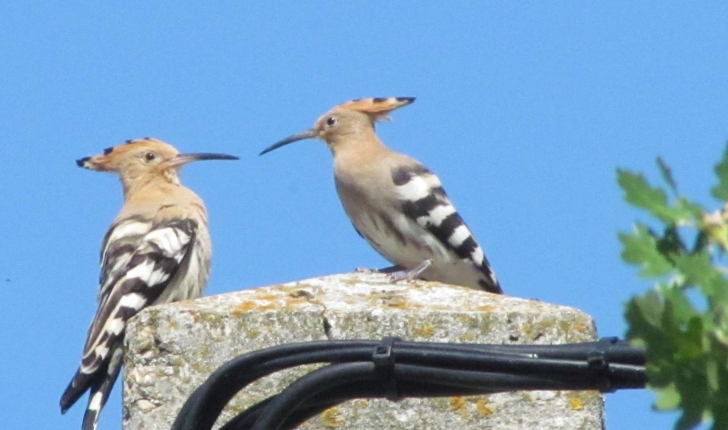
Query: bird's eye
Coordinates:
[149,156]
[331,121]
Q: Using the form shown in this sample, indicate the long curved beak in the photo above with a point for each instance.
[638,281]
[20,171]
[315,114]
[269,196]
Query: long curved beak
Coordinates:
[308,134]
[182,159]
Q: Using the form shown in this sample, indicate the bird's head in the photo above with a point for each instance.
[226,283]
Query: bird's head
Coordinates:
[347,120]
[144,158]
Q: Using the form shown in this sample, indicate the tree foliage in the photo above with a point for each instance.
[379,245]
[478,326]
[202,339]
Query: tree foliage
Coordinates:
[683,320]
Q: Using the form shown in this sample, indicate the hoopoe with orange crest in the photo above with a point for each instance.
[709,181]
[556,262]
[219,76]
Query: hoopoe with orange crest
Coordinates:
[394,202]
[157,250]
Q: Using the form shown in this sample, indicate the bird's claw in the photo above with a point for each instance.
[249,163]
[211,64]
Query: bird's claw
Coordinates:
[390,269]
[410,275]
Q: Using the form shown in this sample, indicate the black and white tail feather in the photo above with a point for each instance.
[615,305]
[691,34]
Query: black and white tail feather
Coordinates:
[424,224]
[139,260]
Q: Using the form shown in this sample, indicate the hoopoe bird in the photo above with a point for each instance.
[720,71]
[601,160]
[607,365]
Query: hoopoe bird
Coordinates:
[157,250]
[394,202]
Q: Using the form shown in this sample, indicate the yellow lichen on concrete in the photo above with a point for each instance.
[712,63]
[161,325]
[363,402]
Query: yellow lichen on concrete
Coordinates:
[581,328]
[575,404]
[424,331]
[332,418]
[395,302]
[248,306]
[252,333]
[244,307]
[294,303]
[483,408]
[457,403]
[579,399]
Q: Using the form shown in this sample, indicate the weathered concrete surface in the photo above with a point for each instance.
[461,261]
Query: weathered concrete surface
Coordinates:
[171,349]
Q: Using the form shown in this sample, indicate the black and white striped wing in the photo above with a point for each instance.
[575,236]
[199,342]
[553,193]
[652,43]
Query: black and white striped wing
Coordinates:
[139,260]
[135,272]
[119,245]
[425,202]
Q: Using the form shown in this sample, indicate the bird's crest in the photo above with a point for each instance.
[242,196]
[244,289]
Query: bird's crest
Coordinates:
[376,107]
[112,158]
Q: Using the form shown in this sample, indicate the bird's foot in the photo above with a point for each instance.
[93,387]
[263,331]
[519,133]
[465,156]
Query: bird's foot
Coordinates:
[391,269]
[410,274]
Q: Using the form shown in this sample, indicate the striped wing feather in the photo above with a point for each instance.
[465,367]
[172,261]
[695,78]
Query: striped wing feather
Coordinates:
[139,259]
[425,202]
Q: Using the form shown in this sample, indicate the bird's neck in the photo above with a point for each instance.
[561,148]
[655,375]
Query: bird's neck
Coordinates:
[362,144]
[165,181]
[360,161]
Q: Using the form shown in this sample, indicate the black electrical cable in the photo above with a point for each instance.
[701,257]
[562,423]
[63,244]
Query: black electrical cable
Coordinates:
[333,396]
[292,398]
[428,348]
[335,375]
[409,369]
[202,408]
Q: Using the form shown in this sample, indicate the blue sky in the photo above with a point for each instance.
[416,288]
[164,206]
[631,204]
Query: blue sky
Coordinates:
[524,111]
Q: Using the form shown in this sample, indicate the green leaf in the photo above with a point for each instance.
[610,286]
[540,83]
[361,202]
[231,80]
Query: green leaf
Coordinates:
[667,174]
[645,315]
[660,375]
[692,413]
[683,210]
[720,191]
[720,417]
[694,210]
[639,192]
[692,384]
[690,419]
[697,268]
[641,248]
[647,310]
[682,307]
[699,271]
[719,408]
[712,371]
[667,398]
[689,342]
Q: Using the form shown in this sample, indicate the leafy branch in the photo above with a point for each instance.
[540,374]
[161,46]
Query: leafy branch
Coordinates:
[683,320]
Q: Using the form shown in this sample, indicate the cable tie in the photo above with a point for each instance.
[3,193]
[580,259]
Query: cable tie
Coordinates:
[598,359]
[383,359]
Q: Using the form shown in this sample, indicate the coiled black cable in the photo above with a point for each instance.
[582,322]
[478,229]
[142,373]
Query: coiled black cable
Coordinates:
[393,369]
